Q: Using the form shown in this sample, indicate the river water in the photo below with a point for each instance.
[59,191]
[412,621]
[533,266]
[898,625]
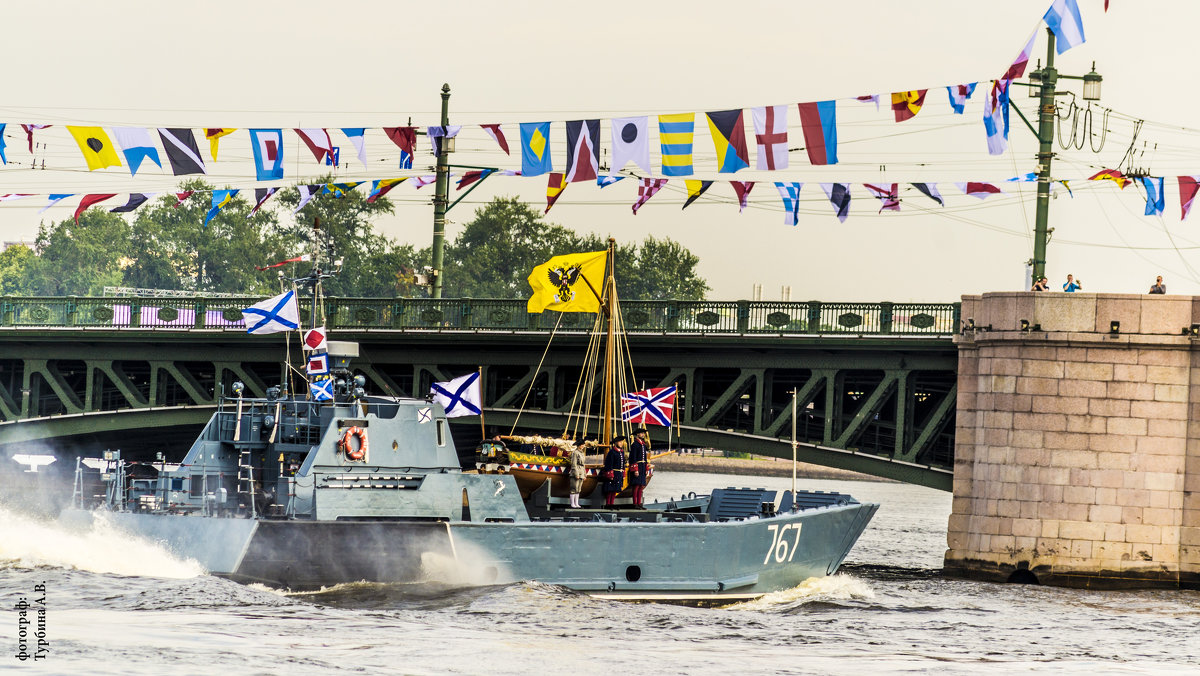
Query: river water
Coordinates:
[119,606]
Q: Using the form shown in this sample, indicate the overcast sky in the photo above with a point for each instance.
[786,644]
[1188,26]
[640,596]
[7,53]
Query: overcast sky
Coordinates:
[309,64]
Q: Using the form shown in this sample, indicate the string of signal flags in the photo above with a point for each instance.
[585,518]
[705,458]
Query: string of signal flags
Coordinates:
[630,144]
[838,194]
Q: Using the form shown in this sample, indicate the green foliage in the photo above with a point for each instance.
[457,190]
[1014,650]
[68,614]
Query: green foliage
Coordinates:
[171,248]
[372,265]
[78,258]
[504,242]
[14,263]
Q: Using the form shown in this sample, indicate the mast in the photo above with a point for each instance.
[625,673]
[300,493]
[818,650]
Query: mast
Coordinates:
[610,362]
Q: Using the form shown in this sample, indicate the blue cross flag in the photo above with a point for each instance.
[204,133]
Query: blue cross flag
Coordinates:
[273,315]
[461,396]
[321,388]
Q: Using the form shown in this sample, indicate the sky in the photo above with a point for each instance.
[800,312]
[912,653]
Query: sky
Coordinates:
[374,64]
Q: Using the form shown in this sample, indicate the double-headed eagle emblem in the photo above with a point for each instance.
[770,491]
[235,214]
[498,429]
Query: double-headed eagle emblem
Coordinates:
[563,279]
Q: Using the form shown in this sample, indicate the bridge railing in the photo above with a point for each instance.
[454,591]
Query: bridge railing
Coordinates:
[490,314]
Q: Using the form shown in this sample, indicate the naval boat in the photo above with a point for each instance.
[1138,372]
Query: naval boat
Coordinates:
[296,493]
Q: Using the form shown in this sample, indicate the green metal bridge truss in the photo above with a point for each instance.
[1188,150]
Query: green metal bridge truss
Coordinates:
[875,381]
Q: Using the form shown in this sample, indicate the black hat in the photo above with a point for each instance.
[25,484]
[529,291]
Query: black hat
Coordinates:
[641,430]
[620,438]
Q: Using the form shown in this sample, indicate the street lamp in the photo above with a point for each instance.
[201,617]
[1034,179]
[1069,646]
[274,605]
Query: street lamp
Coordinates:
[1042,85]
[1091,85]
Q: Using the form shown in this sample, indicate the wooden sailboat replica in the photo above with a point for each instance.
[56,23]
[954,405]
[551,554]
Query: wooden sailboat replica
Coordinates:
[535,461]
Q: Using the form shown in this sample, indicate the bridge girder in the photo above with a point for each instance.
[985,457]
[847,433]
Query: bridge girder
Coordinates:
[882,406]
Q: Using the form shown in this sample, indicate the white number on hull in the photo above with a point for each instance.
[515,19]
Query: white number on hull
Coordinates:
[779,544]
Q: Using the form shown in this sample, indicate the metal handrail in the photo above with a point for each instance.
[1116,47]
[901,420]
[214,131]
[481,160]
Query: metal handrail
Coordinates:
[223,313]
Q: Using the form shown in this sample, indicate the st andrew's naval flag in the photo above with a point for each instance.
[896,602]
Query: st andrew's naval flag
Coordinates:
[649,407]
[273,315]
[461,396]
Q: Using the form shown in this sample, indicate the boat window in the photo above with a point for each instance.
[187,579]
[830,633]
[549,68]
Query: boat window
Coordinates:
[197,487]
[441,432]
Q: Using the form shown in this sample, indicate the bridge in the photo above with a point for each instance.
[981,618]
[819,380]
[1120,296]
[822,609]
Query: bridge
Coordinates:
[876,382]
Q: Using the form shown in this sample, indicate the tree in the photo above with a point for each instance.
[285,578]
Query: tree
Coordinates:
[496,251]
[371,264]
[79,258]
[14,266]
[174,249]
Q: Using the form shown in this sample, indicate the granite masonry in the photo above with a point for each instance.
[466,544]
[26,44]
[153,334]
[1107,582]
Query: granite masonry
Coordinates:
[1077,455]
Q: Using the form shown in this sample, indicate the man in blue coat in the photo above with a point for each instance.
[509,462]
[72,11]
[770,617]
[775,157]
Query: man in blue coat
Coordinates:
[614,471]
[639,465]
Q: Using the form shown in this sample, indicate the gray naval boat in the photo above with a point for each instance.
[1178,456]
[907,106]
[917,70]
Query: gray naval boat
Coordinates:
[298,494]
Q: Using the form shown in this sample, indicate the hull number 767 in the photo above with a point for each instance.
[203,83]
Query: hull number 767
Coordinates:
[779,542]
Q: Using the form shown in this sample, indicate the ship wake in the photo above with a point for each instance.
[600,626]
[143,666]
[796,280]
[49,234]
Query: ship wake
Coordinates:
[27,542]
[812,590]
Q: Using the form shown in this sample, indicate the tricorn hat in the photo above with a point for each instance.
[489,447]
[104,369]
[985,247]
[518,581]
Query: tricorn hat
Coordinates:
[620,438]
[641,430]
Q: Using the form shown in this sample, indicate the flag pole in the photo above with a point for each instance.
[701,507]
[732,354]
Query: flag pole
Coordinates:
[482,428]
[794,394]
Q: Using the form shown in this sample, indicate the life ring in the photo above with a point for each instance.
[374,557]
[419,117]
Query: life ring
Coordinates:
[344,444]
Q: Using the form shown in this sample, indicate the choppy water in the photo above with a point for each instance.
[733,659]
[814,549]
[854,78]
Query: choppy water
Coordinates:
[119,606]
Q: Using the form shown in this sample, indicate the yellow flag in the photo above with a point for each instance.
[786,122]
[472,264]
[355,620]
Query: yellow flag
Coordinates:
[214,135]
[96,147]
[568,283]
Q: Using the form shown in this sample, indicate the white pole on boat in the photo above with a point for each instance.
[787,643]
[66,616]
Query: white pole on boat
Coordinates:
[794,504]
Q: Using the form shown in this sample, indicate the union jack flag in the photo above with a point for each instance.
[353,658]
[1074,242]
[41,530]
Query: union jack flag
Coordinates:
[649,407]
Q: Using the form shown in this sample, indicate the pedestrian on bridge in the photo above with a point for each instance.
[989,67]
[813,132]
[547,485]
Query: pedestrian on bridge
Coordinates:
[1159,287]
[1072,285]
[1041,284]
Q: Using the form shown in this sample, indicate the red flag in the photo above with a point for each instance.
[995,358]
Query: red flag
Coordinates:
[297,259]
[314,339]
[317,141]
[554,187]
[89,200]
[181,196]
[742,188]
[497,133]
[29,132]
[1187,192]
[405,139]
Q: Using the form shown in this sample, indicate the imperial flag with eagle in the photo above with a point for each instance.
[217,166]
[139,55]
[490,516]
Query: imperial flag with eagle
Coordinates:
[568,283]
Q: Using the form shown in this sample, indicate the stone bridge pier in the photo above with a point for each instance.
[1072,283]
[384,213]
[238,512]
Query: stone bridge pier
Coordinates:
[1077,457]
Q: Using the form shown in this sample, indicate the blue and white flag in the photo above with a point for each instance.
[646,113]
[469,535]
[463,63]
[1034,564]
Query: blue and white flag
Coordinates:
[273,315]
[605,181]
[321,388]
[1064,19]
[438,134]
[995,117]
[267,145]
[1154,195]
[55,198]
[461,396]
[137,146]
[790,192]
[358,138]
[2,156]
[959,95]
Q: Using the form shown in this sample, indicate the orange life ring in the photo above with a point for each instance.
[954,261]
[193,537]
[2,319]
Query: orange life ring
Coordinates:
[344,444]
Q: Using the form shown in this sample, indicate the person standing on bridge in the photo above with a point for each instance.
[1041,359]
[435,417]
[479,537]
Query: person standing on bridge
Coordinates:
[614,471]
[1072,286]
[1159,287]
[1041,284]
[639,465]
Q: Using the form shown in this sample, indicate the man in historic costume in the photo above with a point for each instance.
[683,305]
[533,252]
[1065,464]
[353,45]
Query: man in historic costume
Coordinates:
[614,471]
[578,473]
[639,465]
